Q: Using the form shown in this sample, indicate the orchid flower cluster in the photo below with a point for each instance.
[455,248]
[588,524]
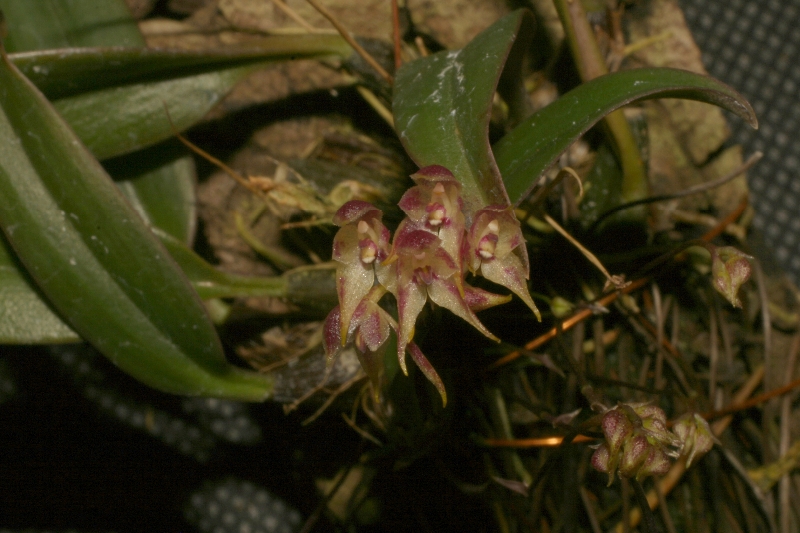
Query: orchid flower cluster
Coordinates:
[432,251]
[638,444]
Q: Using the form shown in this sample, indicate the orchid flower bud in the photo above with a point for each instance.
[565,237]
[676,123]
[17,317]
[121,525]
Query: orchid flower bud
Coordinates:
[695,436]
[730,269]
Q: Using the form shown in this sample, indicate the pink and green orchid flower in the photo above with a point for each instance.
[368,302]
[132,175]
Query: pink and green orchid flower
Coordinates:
[424,270]
[368,331]
[359,247]
[493,244]
[435,205]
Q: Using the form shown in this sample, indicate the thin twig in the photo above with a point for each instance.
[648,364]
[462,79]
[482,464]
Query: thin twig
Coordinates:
[335,394]
[616,281]
[294,16]
[784,487]
[398,51]
[752,160]
[352,42]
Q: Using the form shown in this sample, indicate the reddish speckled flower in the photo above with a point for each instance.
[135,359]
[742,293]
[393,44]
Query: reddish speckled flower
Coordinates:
[431,252]
[368,331]
[494,240]
[359,247]
[423,270]
[435,205]
[637,442]
[695,435]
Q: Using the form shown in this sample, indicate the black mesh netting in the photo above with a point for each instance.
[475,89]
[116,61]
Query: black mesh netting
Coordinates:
[755,47]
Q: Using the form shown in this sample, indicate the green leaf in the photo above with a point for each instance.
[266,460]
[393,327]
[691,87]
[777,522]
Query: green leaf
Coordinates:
[531,148]
[58,23]
[442,106]
[96,262]
[163,194]
[68,71]
[212,283]
[25,317]
[123,119]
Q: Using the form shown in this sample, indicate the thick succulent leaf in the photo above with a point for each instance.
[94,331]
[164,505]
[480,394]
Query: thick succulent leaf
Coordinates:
[533,146]
[96,261]
[442,106]
[26,317]
[159,182]
[56,23]
[69,71]
[160,187]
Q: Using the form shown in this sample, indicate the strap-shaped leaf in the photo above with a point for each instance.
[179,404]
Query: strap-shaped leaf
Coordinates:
[533,146]
[69,71]
[442,105]
[160,187]
[26,317]
[96,261]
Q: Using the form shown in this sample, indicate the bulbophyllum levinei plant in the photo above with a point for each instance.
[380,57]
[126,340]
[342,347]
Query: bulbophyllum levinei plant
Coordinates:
[461,220]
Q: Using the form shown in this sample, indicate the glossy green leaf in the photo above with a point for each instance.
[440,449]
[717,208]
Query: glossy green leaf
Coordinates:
[442,106]
[164,193]
[212,283]
[160,187]
[58,23]
[69,71]
[123,119]
[532,147]
[159,182]
[96,261]
[26,317]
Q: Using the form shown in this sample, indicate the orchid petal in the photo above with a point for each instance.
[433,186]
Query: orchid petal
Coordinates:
[331,335]
[446,294]
[372,323]
[427,369]
[355,210]
[479,299]
[353,282]
[510,273]
[372,363]
[410,301]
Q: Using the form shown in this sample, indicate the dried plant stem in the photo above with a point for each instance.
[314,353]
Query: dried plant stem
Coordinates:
[670,480]
[294,16]
[606,300]
[784,487]
[613,280]
[352,42]
[587,504]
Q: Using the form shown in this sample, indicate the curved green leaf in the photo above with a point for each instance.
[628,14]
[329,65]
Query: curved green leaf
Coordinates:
[442,106]
[160,187]
[95,260]
[57,23]
[532,147]
[159,182]
[122,119]
[212,283]
[69,71]
[26,317]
